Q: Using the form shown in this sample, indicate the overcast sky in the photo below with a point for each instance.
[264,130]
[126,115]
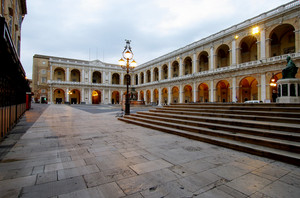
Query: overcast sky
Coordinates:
[97,29]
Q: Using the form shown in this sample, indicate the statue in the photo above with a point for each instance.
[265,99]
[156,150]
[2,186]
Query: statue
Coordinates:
[290,70]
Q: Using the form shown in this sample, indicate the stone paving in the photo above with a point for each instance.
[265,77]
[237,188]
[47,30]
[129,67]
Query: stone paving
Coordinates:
[70,152]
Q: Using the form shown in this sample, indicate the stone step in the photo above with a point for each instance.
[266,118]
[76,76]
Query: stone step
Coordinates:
[216,104]
[237,111]
[262,107]
[231,116]
[277,154]
[229,121]
[263,141]
[283,135]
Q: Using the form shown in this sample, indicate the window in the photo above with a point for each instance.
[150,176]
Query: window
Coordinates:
[43,71]
[43,90]
[44,79]
[59,73]
[43,62]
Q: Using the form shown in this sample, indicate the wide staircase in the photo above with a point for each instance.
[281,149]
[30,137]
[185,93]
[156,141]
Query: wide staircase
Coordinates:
[268,130]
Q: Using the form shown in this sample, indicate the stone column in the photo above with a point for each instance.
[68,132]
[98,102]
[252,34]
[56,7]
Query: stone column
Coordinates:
[234,98]
[68,74]
[233,52]
[122,79]
[194,63]
[194,92]
[145,96]
[169,95]
[151,96]
[90,76]
[67,95]
[297,39]
[103,96]
[139,95]
[211,66]
[139,78]
[109,78]
[211,91]
[145,77]
[51,73]
[82,75]
[181,94]
[51,96]
[159,96]
[258,43]
[180,67]
[263,44]
[90,96]
[82,95]
[169,70]
[159,73]
[263,87]
[109,96]
[121,96]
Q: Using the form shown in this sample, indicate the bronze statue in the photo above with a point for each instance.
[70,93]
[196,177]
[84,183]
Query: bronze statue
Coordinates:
[290,70]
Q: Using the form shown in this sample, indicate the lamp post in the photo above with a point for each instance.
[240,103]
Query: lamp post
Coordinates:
[127,55]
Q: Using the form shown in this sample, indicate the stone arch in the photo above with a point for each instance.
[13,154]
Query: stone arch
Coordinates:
[188,65]
[115,97]
[248,49]
[282,39]
[125,79]
[188,93]
[223,91]
[202,62]
[165,71]
[203,93]
[97,77]
[58,96]
[175,95]
[75,75]
[148,74]
[248,89]
[175,69]
[59,74]
[115,79]
[164,97]
[148,96]
[222,59]
[155,73]
[142,77]
[96,97]
[74,96]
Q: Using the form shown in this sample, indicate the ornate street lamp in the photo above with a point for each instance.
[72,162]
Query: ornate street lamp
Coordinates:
[127,55]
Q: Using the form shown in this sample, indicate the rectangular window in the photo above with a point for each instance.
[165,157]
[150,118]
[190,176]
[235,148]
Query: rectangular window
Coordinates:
[43,90]
[44,79]
[44,62]
[43,71]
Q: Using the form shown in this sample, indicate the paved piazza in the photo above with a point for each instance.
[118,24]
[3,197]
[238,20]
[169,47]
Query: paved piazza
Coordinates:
[84,151]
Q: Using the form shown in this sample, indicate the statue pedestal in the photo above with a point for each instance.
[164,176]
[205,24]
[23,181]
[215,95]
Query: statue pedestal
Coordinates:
[288,90]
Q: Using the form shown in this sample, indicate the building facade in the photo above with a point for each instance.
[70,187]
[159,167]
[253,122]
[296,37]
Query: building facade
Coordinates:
[234,65]
[13,82]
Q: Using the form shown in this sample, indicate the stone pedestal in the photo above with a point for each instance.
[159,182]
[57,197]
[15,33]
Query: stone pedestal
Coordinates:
[288,90]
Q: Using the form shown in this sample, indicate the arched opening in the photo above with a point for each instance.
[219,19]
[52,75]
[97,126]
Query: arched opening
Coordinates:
[175,69]
[155,96]
[115,97]
[116,79]
[96,97]
[125,79]
[155,73]
[59,74]
[273,86]
[142,77]
[75,75]
[203,93]
[136,79]
[248,49]
[142,95]
[223,91]
[59,96]
[203,62]
[97,77]
[175,95]
[188,94]
[282,40]
[248,89]
[148,96]
[148,76]
[165,96]
[165,72]
[188,69]
[74,96]
[223,56]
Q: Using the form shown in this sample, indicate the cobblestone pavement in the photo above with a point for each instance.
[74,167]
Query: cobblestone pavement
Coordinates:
[71,152]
